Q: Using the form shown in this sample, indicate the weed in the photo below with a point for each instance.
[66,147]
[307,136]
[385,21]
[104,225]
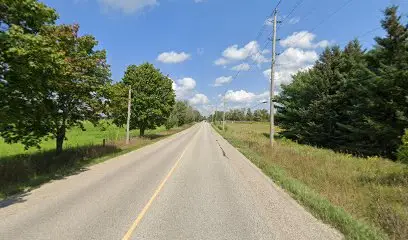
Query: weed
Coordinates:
[365,198]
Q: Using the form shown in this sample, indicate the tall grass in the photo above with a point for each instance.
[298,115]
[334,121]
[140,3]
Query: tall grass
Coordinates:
[363,198]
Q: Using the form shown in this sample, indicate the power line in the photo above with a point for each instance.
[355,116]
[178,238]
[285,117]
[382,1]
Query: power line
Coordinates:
[360,36]
[277,5]
[297,4]
[328,17]
[261,31]
[253,58]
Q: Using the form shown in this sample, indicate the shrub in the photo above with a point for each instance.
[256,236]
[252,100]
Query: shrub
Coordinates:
[171,122]
[402,153]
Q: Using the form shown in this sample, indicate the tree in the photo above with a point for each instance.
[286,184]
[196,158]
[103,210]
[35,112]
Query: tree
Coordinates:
[117,103]
[153,97]
[351,100]
[389,59]
[249,116]
[171,121]
[182,114]
[27,17]
[54,80]
[322,106]
[30,15]
[180,111]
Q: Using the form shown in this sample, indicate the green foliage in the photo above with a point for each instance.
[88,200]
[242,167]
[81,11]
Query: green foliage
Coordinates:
[217,116]
[352,101]
[171,122]
[22,170]
[402,154]
[182,114]
[249,116]
[117,104]
[30,15]
[51,78]
[241,115]
[261,115]
[152,98]
[364,198]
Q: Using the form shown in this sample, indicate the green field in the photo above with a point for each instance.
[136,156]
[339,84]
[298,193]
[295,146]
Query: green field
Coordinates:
[76,138]
[22,170]
[363,198]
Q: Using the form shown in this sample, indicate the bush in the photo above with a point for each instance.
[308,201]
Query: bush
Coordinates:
[402,153]
[171,122]
[220,127]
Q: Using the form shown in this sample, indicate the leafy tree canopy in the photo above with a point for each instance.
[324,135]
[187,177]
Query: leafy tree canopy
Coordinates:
[54,80]
[152,101]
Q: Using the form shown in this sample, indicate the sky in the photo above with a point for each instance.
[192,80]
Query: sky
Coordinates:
[213,48]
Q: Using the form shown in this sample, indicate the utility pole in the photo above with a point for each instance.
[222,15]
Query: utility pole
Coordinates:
[128,117]
[271,94]
[213,117]
[223,117]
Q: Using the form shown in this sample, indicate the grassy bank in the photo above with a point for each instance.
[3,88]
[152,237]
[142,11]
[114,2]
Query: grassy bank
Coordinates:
[363,198]
[22,170]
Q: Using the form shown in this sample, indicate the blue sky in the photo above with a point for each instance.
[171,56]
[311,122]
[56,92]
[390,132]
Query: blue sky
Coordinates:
[201,43]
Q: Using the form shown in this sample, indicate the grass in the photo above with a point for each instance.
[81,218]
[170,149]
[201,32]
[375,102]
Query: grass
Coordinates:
[23,170]
[76,138]
[365,198]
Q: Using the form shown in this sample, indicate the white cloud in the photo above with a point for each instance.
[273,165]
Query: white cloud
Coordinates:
[234,53]
[221,61]
[173,57]
[128,6]
[269,21]
[241,67]
[259,58]
[289,62]
[294,20]
[303,39]
[322,44]
[184,87]
[198,99]
[205,109]
[295,57]
[222,81]
[242,96]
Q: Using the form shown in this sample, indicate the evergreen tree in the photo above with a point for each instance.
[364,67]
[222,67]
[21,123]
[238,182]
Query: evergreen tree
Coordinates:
[389,59]
[351,100]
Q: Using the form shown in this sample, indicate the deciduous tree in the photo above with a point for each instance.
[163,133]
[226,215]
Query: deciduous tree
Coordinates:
[153,97]
[54,80]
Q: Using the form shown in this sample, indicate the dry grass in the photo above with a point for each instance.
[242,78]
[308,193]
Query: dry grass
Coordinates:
[373,191]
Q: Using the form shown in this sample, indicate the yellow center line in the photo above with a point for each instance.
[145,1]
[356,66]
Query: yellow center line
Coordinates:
[159,188]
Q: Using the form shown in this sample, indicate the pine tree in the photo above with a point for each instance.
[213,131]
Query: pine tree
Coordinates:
[389,59]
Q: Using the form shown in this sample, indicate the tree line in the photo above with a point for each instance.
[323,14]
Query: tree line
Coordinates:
[352,100]
[259,115]
[53,79]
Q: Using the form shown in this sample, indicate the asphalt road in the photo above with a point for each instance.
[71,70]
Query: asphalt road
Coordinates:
[193,185]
